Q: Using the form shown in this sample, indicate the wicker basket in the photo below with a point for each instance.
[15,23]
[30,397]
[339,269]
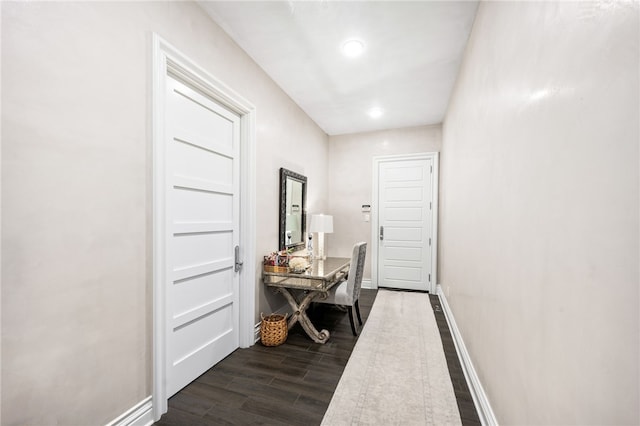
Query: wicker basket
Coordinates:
[273,329]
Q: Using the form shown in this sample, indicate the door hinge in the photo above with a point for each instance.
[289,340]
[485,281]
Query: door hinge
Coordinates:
[430,169]
[429,241]
[429,277]
[429,205]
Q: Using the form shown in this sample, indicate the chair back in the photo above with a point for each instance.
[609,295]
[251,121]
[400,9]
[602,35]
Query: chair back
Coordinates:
[356,271]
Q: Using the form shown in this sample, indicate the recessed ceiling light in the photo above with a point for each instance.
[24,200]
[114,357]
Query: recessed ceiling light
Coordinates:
[375,112]
[352,48]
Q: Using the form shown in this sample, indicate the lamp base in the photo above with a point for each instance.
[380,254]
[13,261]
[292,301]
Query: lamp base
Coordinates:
[321,255]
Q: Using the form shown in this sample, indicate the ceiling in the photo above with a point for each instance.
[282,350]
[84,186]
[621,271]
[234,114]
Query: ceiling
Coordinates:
[412,54]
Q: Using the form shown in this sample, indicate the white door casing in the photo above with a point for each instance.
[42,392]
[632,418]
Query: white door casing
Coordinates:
[181,234]
[404,225]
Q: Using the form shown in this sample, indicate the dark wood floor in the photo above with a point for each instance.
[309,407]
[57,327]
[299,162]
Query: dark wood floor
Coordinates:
[467,408]
[291,384]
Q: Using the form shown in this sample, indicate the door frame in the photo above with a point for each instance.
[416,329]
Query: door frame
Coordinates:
[377,161]
[167,59]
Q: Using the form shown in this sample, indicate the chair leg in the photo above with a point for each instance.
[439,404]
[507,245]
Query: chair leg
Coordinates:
[353,325]
[358,312]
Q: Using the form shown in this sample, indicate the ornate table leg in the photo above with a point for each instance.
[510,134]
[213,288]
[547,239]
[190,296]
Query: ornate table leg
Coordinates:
[300,315]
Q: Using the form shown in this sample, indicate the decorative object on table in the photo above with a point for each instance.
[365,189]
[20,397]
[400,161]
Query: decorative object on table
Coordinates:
[310,246]
[321,223]
[276,262]
[273,329]
[298,264]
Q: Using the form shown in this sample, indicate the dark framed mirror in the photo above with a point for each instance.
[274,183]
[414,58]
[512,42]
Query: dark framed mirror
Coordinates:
[293,209]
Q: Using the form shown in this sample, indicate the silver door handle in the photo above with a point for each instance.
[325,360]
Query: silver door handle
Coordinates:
[381,233]
[237,263]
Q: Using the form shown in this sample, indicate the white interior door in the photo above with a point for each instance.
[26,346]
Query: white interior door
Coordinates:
[405,242]
[202,230]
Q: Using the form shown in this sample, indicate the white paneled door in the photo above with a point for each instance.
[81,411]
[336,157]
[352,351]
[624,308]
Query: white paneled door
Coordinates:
[202,230]
[405,209]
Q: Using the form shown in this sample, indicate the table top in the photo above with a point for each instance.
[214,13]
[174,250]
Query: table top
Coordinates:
[322,274]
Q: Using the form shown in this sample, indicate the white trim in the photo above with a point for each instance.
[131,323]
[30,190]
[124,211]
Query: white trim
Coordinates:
[367,283]
[248,227]
[434,156]
[374,224]
[257,333]
[435,196]
[140,414]
[165,59]
[487,417]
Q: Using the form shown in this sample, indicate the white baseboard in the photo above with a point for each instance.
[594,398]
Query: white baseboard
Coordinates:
[487,417]
[140,414]
[366,283]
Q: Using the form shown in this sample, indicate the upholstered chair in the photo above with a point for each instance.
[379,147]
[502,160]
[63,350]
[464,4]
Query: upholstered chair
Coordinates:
[347,292]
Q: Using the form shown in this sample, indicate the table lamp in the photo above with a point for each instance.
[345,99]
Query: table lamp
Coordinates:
[321,223]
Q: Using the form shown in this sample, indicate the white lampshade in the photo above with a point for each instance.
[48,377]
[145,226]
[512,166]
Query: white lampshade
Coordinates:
[321,223]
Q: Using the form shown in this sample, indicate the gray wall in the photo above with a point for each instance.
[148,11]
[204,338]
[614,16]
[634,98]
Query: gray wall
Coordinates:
[76,195]
[350,179]
[539,221]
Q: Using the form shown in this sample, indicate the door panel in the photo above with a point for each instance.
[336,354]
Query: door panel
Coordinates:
[403,273]
[200,121]
[190,328]
[202,231]
[411,254]
[397,235]
[404,213]
[197,206]
[210,166]
[404,194]
[204,287]
[202,247]
[403,174]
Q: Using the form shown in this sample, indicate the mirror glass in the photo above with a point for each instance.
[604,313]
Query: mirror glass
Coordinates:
[293,193]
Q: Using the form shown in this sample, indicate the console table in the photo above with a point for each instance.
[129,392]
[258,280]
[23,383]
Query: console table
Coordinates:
[315,282]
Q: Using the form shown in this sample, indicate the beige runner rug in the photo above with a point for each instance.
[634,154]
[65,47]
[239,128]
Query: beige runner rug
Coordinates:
[397,373]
